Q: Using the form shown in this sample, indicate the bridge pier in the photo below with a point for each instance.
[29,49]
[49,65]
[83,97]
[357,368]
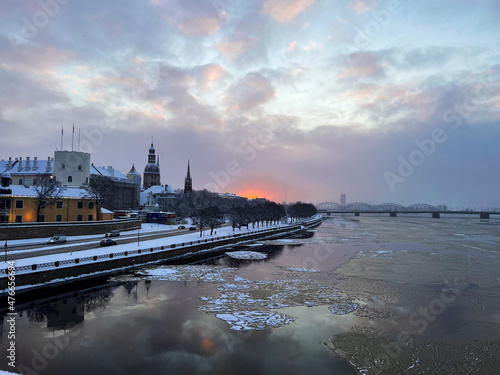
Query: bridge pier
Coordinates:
[484,215]
[328,213]
[393,214]
[436,215]
[356,214]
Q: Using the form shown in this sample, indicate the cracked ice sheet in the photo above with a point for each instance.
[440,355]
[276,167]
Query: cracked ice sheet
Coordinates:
[200,273]
[247,305]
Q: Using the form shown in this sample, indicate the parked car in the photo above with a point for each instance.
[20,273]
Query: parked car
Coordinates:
[57,239]
[113,233]
[192,228]
[107,242]
[181,227]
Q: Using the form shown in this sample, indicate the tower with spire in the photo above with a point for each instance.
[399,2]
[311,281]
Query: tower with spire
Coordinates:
[151,175]
[188,182]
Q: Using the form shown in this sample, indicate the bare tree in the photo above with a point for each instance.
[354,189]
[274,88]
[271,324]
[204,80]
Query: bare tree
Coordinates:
[99,190]
[48,191]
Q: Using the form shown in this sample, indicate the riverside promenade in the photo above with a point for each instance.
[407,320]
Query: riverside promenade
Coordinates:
[32,272]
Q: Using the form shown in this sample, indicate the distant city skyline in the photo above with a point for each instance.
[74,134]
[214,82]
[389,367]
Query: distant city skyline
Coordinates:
[291,100]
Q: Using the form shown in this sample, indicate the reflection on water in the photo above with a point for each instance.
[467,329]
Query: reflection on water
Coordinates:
[380,295]
[160,320]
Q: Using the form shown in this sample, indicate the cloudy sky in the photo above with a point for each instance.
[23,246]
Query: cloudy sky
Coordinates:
[386,101]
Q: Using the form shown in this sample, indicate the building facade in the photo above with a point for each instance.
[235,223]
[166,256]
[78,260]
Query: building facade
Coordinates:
[19,204]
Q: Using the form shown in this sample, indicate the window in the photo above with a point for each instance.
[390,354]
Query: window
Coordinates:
[70,178]
[86,180]
[20,181]
[35,181]
[19,218]
[91,217]
[59,204]
[41,218]
[79,167]
[5,204]
[79,217]
[19,204]
[58,217]
[91,205]
[80,205]
[63,166]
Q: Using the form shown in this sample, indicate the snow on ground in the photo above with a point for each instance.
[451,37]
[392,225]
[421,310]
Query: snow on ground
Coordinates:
[246,255]
[144,245]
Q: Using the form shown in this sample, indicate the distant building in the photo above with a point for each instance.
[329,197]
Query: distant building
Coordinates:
[126,188]
[342,199]
[188,182]
[150,197]
[151,174]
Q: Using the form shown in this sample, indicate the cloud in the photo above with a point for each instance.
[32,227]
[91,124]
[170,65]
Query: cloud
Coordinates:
[360,6]
[313,45]
[362,65]
[291,46]
[250,92]
[236,45]
[285,10]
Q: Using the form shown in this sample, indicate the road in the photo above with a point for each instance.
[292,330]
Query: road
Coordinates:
[92,243]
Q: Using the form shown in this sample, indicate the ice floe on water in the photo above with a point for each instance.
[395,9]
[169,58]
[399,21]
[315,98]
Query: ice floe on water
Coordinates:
[300,269]
[200,273]
[291,241]
[254,320]
[250,305]
[246,255]
[247,305]
[343,308]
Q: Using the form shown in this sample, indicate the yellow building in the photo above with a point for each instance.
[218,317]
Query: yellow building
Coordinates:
[18,204]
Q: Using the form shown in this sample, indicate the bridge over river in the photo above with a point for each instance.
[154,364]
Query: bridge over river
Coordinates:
[393,209]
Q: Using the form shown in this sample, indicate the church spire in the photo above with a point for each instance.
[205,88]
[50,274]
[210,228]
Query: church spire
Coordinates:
[188,182]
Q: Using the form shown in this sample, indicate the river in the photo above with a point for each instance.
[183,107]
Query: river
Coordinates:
[369,294]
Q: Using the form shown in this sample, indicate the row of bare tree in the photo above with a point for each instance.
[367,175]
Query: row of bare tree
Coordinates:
[211,210]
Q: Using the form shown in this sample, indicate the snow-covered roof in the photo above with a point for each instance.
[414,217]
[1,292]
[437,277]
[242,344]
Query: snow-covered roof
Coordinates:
[133,170]
[68,192]
[156,189]
[40,169]
[106,211]
[108,172]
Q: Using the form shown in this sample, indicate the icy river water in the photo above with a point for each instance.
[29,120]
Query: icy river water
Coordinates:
[370,295]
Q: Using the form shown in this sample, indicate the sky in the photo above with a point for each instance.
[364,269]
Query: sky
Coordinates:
[385,101]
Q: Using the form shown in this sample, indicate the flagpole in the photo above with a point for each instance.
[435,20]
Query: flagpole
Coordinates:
[62,134]
[73,138]
[78,139]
